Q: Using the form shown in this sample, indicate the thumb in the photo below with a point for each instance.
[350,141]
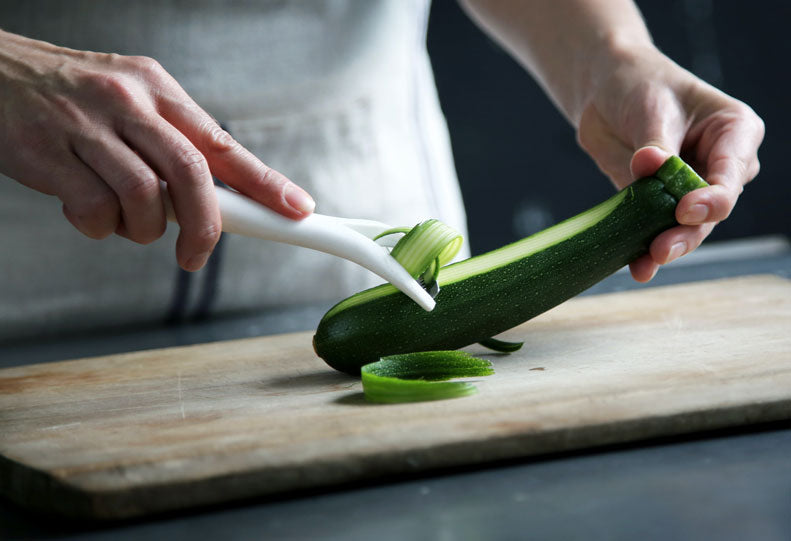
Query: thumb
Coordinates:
[647,160]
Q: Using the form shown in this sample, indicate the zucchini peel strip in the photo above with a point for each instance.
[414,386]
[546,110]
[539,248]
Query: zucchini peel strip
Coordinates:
[501,346]
[422,376]
[425,248]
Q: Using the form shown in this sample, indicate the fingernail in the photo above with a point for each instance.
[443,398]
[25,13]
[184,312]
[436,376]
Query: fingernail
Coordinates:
[676,251]
[197,261]
[299,200]
[653,272]
[696,214]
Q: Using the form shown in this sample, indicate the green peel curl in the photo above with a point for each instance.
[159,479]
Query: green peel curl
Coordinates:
[422,376]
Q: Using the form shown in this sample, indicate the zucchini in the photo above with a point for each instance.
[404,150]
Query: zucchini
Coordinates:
[491,293]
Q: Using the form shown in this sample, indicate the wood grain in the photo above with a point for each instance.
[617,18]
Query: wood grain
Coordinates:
[145,432]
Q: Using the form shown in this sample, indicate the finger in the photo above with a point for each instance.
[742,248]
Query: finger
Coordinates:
[728,145]
[236,165]
[647,160]
[667,247]
[88,203]
[643,268]
[726,148]
[190,186]
[711,204]
[678,241]
[611,155]
[133,181]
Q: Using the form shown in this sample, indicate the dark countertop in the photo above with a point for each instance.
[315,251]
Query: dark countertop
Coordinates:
[732,484]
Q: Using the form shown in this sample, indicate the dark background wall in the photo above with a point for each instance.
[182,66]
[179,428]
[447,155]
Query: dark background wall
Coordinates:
[518,163]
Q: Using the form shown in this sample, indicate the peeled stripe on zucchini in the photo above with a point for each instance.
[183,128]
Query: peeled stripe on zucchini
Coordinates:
[491,293]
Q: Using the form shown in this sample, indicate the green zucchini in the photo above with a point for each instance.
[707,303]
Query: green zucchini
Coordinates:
[491,293]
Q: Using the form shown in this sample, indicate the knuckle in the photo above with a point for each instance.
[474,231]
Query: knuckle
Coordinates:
[760,126]
[745,111]
[115,87]
[742,169]
[138,121]
[152,231]
[218,139]
[110,60]
[207,235]
[583,140]
[267,176]
[270,178]
[141,185]
[102,204]
[97,214]
[747,114]
[147,66]
[755,168]
[190,163]
[730,163]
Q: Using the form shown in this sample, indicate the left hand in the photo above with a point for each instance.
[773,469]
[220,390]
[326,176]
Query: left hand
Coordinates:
[647,108]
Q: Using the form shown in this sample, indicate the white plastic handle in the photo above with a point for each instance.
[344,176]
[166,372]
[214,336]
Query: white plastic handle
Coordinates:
[336,236]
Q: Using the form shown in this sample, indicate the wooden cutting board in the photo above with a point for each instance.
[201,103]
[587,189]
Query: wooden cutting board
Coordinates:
[144,432]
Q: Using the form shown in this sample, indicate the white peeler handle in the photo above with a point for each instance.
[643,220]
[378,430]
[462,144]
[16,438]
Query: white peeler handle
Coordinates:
[243,216]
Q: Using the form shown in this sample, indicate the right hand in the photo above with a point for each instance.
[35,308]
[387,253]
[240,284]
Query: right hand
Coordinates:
[99,130]
[647,108]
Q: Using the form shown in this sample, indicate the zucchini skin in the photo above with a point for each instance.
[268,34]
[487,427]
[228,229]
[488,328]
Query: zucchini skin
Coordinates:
[493,301]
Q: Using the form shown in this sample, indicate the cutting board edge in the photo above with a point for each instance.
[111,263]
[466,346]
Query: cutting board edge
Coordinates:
[59,497]
[14,475]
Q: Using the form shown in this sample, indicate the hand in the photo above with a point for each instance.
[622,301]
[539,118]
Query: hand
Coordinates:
[99,130]
[647,108]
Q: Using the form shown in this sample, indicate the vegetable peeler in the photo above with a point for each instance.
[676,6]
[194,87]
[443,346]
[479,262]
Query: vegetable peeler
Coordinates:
[342,237]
